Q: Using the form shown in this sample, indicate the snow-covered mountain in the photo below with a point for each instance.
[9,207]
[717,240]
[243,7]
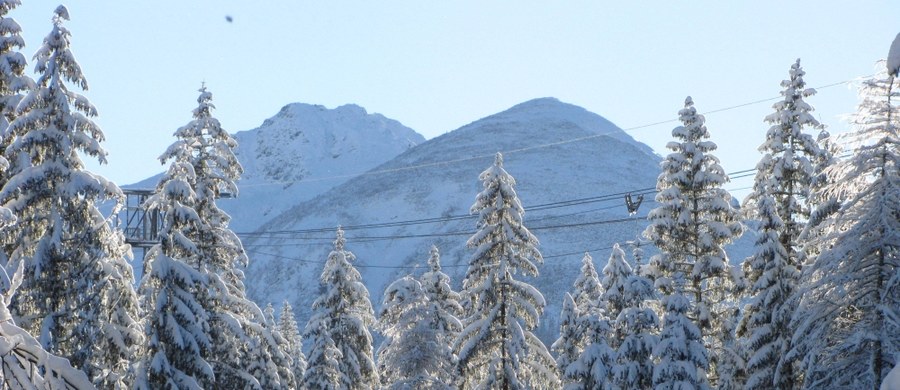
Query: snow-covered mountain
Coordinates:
[392,214]
[303,151]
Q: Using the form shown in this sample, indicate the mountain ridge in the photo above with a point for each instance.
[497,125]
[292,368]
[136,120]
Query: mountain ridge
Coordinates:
[556,151]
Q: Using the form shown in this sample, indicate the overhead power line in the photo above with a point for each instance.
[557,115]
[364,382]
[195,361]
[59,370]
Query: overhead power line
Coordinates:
[420,221]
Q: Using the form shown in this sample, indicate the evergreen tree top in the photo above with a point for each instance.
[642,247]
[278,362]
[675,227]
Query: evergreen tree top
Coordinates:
[694,127]
[54,59]
[13,81]
[434,260]
[615,278]
[339,240]
[587,286]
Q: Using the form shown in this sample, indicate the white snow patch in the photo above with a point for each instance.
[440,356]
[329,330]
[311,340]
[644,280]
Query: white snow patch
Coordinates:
[892,380]
[893,60]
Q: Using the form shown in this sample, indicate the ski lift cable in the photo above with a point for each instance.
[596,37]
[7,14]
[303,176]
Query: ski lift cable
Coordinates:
[539,207]
[366,239]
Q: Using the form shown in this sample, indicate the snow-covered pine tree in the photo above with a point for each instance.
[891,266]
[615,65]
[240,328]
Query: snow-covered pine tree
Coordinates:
[268,347]
[445,310]
[237,329]
[177,326]
[584,355]
[732,363]
[778,202]
[411,352]
[593,368]
[615,276]
[635,326]
[765,329]
[681,359]
[847,322]
[588,291]
[13,81]
[821,206]
[324,367]
[496,344]
[691,226]
[26,365]
[287,326]
[342,314]
[569,345]
[77,292]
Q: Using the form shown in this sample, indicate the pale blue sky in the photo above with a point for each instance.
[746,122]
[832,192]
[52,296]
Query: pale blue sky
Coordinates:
[436,66]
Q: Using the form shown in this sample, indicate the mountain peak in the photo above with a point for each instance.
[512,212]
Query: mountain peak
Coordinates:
[307,111]
[550,112]
[305,149]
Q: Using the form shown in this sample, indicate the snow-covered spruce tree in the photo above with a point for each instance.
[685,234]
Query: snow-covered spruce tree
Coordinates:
[496,344]
[445,310]
[293,347]
[569,344]
[342,314]
[271,350]
[691,226]
[847,322]
[635,327]
[615,276]
[587,289]
[13,81]
[177,323]
[821,205]
[681,359]
[25,364]
[584,355]
[778,201]
[324,367]
[732,359]
[237,327]
[77,289]
[765,328]
[595,364]
[412,352]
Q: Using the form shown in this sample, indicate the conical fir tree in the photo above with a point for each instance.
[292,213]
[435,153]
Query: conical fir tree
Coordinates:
[287,325]
[846,325]
[324,370]
[341,317]
[238,333]
[77,291]
[778,202]
[268,348]
[681,359]
[177,323]
[585,358]
[496,344]
[13,81]
[615,279]
[411,353]
[445,311]
[635,327]
[26,365]
[569,344]
[691,226]
[588,290]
